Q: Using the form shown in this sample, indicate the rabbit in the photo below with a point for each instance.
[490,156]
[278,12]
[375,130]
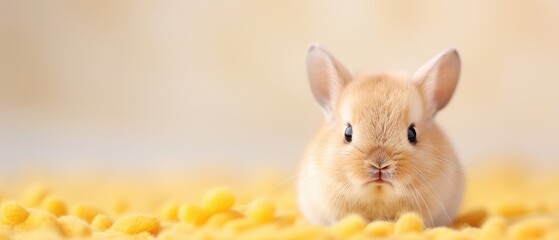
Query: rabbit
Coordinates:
[379,152]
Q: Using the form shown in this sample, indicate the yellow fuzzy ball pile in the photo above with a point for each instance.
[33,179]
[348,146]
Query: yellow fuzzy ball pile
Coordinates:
[499,204]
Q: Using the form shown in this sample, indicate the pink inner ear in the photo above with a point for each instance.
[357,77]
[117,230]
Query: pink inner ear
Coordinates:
[327,77]
[438,78]
[319,86]
[446,84]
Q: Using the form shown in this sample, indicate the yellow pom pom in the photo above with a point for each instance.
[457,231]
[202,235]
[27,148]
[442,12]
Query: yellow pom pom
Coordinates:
[219,219]
[534,228]
[168,235]
[239,225]
[39,220]
[85,212]
[493,228]
[13,213]
[73,226]
[348,225]
[218,200]
[170,211]
[101,222]
[473,218]
[469,233]
[261,211]
[439,233]
[135,224]
[408,223]
[54,205]
[192,214]
[511,210]
[379,228]
[207,234]
[298,232]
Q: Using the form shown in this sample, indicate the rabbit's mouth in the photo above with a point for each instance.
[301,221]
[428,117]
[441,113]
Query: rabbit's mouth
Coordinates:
[379,182]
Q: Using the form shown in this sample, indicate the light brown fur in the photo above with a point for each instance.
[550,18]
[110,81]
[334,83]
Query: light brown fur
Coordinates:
[426,178]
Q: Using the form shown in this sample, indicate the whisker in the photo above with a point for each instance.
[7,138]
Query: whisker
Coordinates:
[423,180]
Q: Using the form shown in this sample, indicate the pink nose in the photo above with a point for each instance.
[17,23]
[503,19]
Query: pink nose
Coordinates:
[378,170]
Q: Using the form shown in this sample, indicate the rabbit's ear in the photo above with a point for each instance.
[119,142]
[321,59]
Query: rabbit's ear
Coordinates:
[327,78]
[438,78]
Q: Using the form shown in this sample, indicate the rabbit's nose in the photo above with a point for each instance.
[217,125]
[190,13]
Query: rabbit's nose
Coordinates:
[379,165]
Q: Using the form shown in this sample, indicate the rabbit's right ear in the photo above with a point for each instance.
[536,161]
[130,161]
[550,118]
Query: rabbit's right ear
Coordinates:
[437,79]
[327,78]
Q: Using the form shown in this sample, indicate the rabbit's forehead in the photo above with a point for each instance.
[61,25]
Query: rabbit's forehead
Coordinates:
[381,100]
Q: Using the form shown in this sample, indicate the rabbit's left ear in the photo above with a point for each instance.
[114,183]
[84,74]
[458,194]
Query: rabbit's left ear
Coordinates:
[438,78]
[327,78]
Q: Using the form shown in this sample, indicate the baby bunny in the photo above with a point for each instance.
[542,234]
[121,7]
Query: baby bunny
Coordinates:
[379,152]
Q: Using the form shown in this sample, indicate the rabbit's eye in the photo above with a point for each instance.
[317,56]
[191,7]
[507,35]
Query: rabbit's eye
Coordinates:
[412,135]
[348,133]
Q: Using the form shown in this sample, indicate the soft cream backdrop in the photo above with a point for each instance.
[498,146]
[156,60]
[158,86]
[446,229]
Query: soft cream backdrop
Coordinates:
[176,84]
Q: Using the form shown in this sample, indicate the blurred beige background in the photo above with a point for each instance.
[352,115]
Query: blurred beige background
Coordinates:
[184,84]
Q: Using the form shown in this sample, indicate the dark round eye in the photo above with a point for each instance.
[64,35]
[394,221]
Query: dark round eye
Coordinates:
[348,133]
[412,135]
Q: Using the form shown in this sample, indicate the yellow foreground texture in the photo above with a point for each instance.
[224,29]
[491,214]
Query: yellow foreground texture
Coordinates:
[501,203]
